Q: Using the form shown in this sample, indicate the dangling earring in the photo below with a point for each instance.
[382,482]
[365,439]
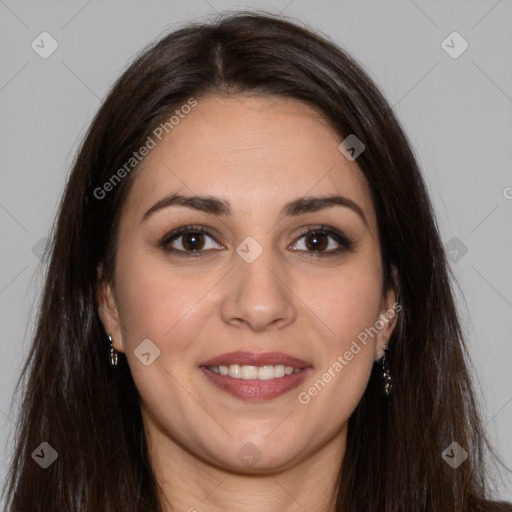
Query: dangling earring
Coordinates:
[386,374]
[113,353]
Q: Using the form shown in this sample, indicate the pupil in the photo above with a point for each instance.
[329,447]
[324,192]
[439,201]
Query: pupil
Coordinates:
[193,241]
[316,243]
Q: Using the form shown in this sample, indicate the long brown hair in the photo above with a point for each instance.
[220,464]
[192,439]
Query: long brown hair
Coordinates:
[89,413]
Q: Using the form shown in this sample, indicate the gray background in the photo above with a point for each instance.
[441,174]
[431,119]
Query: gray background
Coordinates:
[456,111]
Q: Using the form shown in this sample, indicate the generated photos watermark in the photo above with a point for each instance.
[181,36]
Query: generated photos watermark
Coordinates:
[304,397]
[151,142]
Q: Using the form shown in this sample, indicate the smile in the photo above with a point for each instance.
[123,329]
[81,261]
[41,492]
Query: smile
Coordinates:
[255,376]
[247,372]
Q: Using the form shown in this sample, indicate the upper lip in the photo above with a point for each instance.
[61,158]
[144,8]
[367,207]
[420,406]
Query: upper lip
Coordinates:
[256,359]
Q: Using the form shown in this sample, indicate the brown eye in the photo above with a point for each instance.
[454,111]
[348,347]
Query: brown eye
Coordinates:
[193,241]
[189,241]
[316,241]
[322,241]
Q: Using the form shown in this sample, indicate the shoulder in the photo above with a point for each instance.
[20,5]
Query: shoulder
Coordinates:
[492,506]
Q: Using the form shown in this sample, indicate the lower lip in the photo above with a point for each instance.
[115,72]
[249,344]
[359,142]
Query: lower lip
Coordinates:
[256,390]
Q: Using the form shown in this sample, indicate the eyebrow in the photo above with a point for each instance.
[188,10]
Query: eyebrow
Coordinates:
[221,207]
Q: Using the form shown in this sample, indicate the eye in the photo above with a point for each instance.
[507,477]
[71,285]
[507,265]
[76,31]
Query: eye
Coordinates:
[319,241]
[316,241]
[188,241]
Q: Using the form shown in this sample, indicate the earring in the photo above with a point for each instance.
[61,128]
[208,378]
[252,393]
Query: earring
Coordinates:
[386,374]
[113,353]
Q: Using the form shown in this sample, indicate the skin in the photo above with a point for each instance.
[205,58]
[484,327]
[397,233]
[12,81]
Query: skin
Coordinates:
[257,153]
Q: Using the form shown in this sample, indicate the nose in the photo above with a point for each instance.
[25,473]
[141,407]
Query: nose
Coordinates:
[259,294]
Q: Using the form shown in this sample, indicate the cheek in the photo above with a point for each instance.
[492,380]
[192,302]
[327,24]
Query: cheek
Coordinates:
[164,307]
[155,302]
[347,301]
[348,306]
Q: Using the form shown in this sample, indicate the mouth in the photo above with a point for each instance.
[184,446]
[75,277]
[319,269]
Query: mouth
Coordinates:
[256,377]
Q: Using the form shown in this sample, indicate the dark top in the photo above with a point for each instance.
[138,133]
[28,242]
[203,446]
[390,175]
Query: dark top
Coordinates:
[494,506]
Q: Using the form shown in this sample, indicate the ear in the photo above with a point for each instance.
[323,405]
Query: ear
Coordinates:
[388,316]
[107,309]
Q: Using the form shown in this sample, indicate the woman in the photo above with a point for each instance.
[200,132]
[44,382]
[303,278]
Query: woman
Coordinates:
[247,227]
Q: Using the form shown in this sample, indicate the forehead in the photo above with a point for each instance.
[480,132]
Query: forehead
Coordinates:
[252,151]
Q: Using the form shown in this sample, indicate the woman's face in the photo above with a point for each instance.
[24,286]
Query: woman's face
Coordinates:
[210,321]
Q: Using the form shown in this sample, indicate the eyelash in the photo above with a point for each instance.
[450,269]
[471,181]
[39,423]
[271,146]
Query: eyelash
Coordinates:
[345,243]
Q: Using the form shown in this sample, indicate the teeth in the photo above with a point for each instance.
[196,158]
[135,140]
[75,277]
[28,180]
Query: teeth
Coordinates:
[266,372]
[247,372]
[279,370]
[235,371]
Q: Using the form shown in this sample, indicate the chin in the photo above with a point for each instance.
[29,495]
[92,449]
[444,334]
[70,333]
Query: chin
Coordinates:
[263,465]
[256,457]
